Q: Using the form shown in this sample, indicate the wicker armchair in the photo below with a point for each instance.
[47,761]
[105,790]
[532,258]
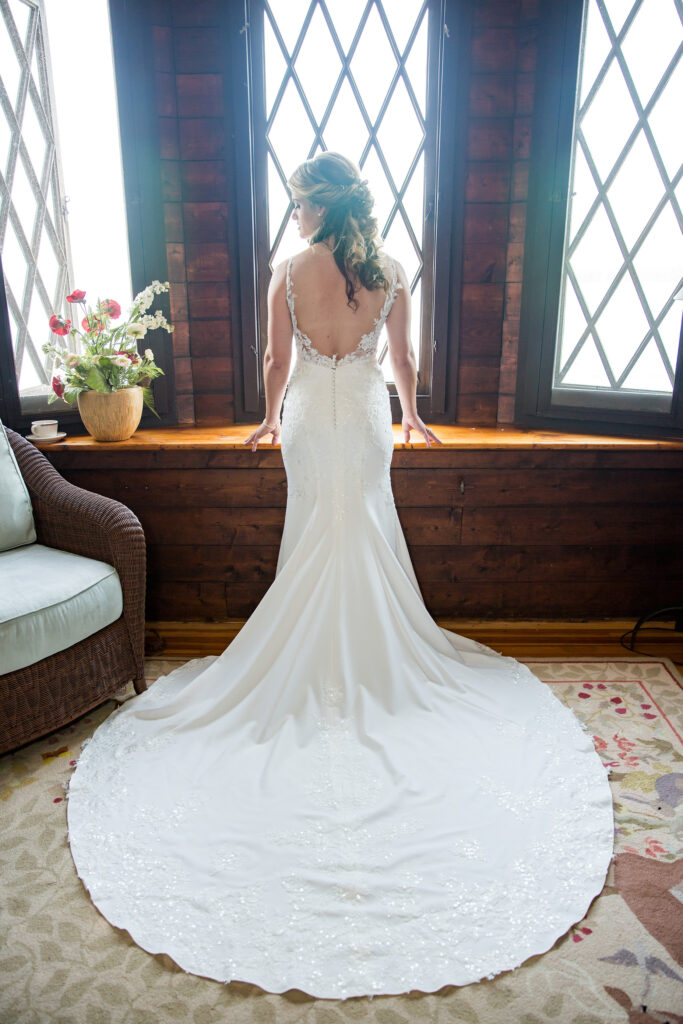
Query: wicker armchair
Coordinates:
[50,693]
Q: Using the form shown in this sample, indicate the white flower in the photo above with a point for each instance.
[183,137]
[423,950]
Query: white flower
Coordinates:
[71,359]
[96,359]
[136,331]
[120,360]
[149,354]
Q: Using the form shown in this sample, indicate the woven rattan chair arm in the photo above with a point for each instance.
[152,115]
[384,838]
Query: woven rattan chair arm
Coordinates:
[89,524]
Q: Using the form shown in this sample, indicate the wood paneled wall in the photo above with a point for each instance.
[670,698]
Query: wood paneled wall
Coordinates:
[197,192]
[492,533]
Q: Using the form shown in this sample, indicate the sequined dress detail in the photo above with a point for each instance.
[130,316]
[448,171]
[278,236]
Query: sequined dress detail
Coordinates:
[349,800]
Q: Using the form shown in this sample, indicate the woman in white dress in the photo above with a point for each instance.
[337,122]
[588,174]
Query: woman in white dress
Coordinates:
[349,800]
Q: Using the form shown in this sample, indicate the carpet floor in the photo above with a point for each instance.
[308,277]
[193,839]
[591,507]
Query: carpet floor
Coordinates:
[62,962]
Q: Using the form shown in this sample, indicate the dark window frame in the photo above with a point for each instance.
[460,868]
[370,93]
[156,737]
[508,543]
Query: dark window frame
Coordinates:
[556,84]
[243,94]
[139,132]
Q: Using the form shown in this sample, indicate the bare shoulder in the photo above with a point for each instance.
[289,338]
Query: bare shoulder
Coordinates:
[278,281]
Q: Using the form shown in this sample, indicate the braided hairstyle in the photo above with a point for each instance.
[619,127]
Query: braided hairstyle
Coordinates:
[334,182]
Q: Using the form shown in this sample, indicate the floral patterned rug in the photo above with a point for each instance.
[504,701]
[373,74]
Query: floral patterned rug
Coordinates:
[62,962]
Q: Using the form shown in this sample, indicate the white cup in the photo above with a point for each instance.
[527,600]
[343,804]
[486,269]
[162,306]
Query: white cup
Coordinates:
[44,428]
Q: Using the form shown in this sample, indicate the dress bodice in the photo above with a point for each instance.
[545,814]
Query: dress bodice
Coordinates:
[366,347]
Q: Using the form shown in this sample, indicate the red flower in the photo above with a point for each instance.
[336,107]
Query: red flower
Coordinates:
[58,325]
[76,296]
[58,386]
[133,356]
[91,324]
[111,308]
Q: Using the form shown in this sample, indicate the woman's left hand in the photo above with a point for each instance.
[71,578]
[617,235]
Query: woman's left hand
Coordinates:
[262,431]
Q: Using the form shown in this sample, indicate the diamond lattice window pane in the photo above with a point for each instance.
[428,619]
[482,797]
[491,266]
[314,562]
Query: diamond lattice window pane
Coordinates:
[24,200]
[278,200]
[596,259]
[400,134]
[587,368]
[400,245]
[573,326]
[636,190]
[584,191]
[14,263]
[403,17]
[318,64]
[649,374]
[665,116]
[346,15]
[10,69]
[289,16]
[21,14]
[49,267]
[381,189]
[38,333]
[631,337]
[416,66]
[596,49]
[5,143]
[274,65]
[659,260]
[34,138]
[650,43]
[413,199]
[291,133]
[345,131]
[622,325]
[373,65]
[617,11]
[609,121]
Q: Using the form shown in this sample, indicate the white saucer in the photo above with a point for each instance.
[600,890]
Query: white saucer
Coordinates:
[49,438]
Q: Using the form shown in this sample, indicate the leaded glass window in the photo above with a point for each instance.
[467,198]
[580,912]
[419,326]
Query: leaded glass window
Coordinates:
[62,208]
[619,326]
[359,77]
[32,233]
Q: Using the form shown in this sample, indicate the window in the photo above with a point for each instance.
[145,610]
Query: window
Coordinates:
[601,327]
[65,219]
[364,77]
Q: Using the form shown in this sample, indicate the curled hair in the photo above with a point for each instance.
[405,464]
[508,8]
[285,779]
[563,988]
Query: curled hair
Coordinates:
[332,181]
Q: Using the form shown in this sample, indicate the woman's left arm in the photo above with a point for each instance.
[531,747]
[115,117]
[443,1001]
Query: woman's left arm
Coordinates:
[277,357]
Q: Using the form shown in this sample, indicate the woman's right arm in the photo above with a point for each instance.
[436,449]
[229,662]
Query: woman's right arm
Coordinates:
[402,357]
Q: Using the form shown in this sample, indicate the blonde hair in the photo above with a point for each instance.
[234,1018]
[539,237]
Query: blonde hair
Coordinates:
[334,182]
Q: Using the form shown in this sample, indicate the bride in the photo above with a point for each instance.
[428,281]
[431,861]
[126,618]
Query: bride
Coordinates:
[349,800]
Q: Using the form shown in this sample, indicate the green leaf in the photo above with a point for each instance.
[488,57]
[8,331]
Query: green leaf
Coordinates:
[96,381]
[148,399]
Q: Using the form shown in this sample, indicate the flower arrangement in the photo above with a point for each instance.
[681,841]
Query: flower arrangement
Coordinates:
[109,359]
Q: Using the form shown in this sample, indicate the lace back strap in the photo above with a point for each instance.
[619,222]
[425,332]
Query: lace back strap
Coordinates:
[290,295]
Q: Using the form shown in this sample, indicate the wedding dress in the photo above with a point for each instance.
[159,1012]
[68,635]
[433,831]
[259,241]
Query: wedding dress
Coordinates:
[350,800]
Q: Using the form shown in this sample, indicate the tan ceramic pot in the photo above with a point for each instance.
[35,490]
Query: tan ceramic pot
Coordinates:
[111,416]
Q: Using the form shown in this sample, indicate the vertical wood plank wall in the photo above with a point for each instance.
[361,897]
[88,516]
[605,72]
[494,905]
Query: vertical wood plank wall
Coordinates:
[197,194]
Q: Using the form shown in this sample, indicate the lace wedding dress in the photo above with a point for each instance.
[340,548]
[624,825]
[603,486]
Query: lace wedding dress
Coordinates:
[350,800]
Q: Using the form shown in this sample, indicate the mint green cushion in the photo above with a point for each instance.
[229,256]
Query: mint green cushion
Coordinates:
[51,599]
[16,513]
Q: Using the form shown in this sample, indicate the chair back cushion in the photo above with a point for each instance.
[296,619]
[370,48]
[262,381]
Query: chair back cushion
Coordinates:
[16,512]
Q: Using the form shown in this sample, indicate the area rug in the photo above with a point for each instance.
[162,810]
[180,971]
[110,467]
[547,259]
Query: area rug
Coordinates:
[62,962]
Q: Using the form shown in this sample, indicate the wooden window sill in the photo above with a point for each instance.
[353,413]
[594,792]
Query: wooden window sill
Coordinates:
[232,436]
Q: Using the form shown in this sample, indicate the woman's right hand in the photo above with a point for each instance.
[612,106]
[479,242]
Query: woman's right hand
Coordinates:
[260,432]
[415,423]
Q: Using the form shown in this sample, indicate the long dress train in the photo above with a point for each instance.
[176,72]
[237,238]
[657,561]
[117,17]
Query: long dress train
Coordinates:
[350,800]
